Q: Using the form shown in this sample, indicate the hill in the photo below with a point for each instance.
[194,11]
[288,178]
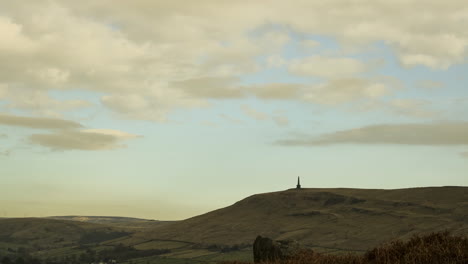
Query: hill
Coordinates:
[41,235]
[129,223]
[326,219]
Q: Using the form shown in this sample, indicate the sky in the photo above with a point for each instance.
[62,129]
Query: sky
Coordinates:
[169,109]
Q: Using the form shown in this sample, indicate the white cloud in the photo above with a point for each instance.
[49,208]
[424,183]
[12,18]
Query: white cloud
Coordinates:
[309,44]
[210,87]
[95,139]
[140,48]
[437,53]
[274,91]
[37,122]
[327,67]
[275,61]
[153,106]
[65,134]
[345,90]
[13,39]
[111,132]
[38,102]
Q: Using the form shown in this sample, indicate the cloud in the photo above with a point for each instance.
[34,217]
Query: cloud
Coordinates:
[464,154]
[412,108]
[229,88]
[327,67]
[249,111]
[92,139]
[436,134]
[309,44]
[274,91]
[37,122]
[210,87]
[344,90]
[335,91]
[278,118]
[66,134]
[429,84]
[3,136]
[38,102]
[132,50]
[153,106]
[13,39]
[275,61]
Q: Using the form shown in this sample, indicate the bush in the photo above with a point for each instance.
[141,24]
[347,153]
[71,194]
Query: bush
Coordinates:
[435,248]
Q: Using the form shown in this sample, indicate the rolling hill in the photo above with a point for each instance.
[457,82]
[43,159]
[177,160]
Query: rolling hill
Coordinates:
[326,219]
[49,237]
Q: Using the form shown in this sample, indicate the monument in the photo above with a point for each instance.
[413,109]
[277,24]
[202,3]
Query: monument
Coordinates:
[298,186]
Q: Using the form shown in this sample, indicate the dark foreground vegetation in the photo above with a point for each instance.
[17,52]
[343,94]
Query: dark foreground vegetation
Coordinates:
[117,254]
[435,248]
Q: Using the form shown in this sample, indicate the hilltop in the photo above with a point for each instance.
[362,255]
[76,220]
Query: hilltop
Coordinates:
[338,219]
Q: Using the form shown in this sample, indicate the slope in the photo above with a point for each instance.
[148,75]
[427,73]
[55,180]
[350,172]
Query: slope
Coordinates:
[326,219]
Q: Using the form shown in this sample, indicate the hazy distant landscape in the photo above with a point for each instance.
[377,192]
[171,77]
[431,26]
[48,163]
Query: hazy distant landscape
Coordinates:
[334,221]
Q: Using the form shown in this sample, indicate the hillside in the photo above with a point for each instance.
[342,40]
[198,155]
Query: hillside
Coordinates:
[129,223]
[44,236]
[326,219]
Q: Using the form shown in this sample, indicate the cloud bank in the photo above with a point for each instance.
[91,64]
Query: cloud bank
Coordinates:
[437,134]
[146,58]
[81,139]
[65,134]
[37,122]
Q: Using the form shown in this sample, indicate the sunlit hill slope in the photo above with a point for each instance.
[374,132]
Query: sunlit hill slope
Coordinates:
[327,219]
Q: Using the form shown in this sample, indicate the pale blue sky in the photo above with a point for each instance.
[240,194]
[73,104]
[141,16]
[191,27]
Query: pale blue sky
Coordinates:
[185,109]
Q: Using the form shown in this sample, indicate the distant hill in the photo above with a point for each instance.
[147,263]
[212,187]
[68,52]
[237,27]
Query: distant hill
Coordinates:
[41,234]
[99,219]
[326,219]
[115,221]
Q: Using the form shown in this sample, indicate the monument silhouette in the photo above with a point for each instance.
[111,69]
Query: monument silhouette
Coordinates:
[298,186]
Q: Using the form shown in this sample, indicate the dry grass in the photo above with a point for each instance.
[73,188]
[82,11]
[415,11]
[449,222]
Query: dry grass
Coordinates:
[435,248]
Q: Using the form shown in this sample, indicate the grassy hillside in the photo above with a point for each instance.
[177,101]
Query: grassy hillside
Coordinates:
[44,234]
[327,220]
[336,221]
